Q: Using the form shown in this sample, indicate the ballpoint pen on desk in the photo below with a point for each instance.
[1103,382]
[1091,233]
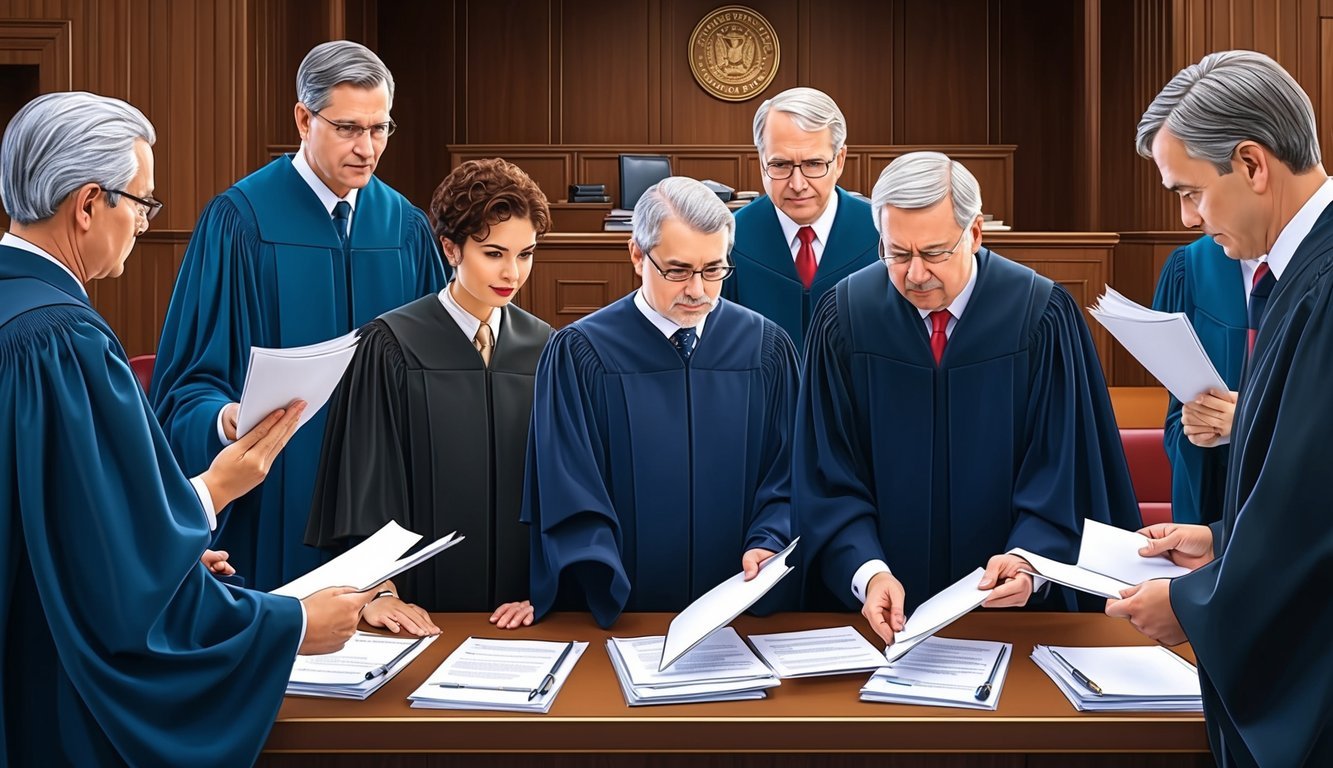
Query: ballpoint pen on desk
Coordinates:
[983,690]
[469,686]
[1082,678]
[549,680]
[384,668]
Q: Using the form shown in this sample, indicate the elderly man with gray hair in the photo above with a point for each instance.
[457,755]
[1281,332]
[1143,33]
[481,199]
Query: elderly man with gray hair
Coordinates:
[308,248]
[806,233]
[952,408]
[118,644]
[659,459]
[1234,136]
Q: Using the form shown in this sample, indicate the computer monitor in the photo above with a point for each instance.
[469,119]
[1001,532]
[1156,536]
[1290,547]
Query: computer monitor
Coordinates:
[638,173]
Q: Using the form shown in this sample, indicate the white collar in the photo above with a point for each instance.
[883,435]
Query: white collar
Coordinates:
[14,241]
[664,324]
[1292,235]
[467,323]
[321,190]
[959,304]
[822,226]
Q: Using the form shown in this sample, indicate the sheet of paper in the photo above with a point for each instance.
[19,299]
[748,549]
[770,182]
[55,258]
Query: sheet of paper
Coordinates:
[1140,670]
[1114,552]
[938,612]
[834,651]
[683,689]
[276,377]
[501,675]
[1072,576]
[943,672]
[720,605]
[722,656]
[369,563]
[363,653]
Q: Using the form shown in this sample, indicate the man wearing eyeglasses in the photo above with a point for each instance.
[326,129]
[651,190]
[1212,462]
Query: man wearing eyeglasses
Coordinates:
[305,249]
[806,233]
[659,458]
[952,408]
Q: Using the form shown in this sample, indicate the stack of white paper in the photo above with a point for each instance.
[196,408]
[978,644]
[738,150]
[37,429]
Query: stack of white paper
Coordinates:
[941,672]
[276,377]
[369,563]
[505,675]
[1130,679]
[721,668]
[938,612]
[1108,562]
[816,652]
[366,663]
[1164,342]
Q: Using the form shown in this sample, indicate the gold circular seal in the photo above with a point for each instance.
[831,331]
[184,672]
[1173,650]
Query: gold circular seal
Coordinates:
[734,53]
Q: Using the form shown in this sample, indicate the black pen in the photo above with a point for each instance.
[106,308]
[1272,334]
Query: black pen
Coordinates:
[1079,676]
[549,680]
[983,690]
[384,669]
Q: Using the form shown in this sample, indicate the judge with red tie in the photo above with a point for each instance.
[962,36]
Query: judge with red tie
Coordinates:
[952,407]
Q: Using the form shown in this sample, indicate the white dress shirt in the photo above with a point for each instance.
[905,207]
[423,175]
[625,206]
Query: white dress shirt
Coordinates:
[822,226]
[666,325]
[466,322]
[1298,229]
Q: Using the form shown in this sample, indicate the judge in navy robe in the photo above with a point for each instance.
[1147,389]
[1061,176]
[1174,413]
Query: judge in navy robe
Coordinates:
[1255,609]
[806,233]
[117,645]
[1200,281]
[427,430]
[274,262]
[659,459]
[922,455]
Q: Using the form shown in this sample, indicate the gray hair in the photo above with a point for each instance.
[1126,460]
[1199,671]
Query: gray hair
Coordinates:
[922,179]
[1230,97]
[812,111]
[59,142]
[680,197]
[329,65]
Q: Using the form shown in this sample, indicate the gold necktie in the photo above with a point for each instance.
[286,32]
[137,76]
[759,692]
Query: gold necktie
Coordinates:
[484,343]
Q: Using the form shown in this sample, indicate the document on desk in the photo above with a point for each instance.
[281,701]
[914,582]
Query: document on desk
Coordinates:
[1108,562]
[276,377]
[816,652]
[938,612]
[720,605]
[721,668]
[1122,679]
[360,668]
[1164,342]
[369,563]
[506,675]
[944,672]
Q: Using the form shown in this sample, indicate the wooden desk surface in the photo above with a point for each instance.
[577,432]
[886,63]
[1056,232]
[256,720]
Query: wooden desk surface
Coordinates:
[816,715]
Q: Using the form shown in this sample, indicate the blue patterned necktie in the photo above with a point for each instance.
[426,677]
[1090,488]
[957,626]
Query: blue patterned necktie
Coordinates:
[683,341]
[341,213]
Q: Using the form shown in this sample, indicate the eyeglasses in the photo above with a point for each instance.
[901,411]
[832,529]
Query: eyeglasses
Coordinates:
[930,257]
[354,131]
[148,208]
[810,169]
[711,273]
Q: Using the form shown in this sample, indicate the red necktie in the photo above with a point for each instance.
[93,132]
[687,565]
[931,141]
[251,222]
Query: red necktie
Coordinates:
[1259,290]
[939,323]
[805,256]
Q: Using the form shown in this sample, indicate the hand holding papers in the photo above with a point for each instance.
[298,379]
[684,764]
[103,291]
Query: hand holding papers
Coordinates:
[276,377]
[1108,561]
[369,563]
[944,673]
[508,675]
[720,668]
[817,652]
[365,664]
[720,605]
[1136,678]
[937,613]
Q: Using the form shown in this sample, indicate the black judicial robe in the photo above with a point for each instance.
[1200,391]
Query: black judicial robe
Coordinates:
[117,647]
[265,268]
[648,477]
[1258,616]
[1011,442]
[1199,280]
[765,279]
[421,432]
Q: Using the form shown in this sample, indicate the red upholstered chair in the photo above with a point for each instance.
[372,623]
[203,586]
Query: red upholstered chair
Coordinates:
[142,365]
[1150,472]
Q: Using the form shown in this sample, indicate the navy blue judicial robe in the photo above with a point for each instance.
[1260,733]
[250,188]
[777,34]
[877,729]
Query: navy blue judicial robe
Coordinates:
[647,477]
[1011,442]
[265,268]
[421,431]
[1258,616]
[765,279]
[118,646]
[1208,287]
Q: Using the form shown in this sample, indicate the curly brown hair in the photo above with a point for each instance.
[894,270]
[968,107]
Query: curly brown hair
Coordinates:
[480,193]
